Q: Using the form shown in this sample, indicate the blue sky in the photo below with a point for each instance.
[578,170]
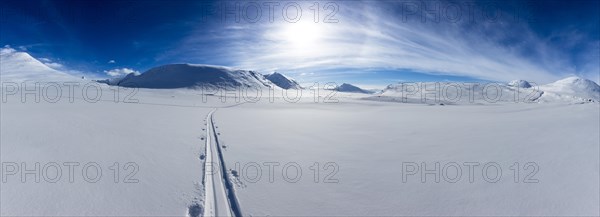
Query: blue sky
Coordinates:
[363,42]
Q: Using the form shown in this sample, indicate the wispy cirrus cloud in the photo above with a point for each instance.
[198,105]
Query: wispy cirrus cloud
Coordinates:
[377,36]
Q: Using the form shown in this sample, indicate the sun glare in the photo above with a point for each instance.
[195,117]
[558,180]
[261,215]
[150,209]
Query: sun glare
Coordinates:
[302,34]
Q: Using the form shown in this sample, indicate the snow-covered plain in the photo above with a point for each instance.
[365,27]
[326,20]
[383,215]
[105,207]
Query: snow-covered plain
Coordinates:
[370,141]
[161,143]
[369,151]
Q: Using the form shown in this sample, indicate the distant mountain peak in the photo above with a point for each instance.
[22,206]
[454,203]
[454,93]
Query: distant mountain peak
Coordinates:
[575,80]
[283,81]
[574,86]
[520,83]
[345,87]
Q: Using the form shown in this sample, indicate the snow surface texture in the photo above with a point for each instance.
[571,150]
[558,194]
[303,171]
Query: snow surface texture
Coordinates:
[282,81]
[163,143]
[370,141]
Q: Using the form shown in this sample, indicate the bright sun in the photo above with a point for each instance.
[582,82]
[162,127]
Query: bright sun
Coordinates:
[302,34]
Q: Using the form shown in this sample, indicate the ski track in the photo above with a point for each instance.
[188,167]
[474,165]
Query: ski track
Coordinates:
[220,199]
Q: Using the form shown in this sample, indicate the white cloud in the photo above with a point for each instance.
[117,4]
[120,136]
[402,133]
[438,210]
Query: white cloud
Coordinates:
[387,44]
[6,50]
[306,73]
[112,61]
[121,72]
[50,63]
[54,65]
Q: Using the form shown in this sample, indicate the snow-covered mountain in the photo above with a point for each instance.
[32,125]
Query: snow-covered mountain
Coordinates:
[456,93]
[193,75]
[349,88]
[571,88]
[283,81]
[519,84]
[19,66]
